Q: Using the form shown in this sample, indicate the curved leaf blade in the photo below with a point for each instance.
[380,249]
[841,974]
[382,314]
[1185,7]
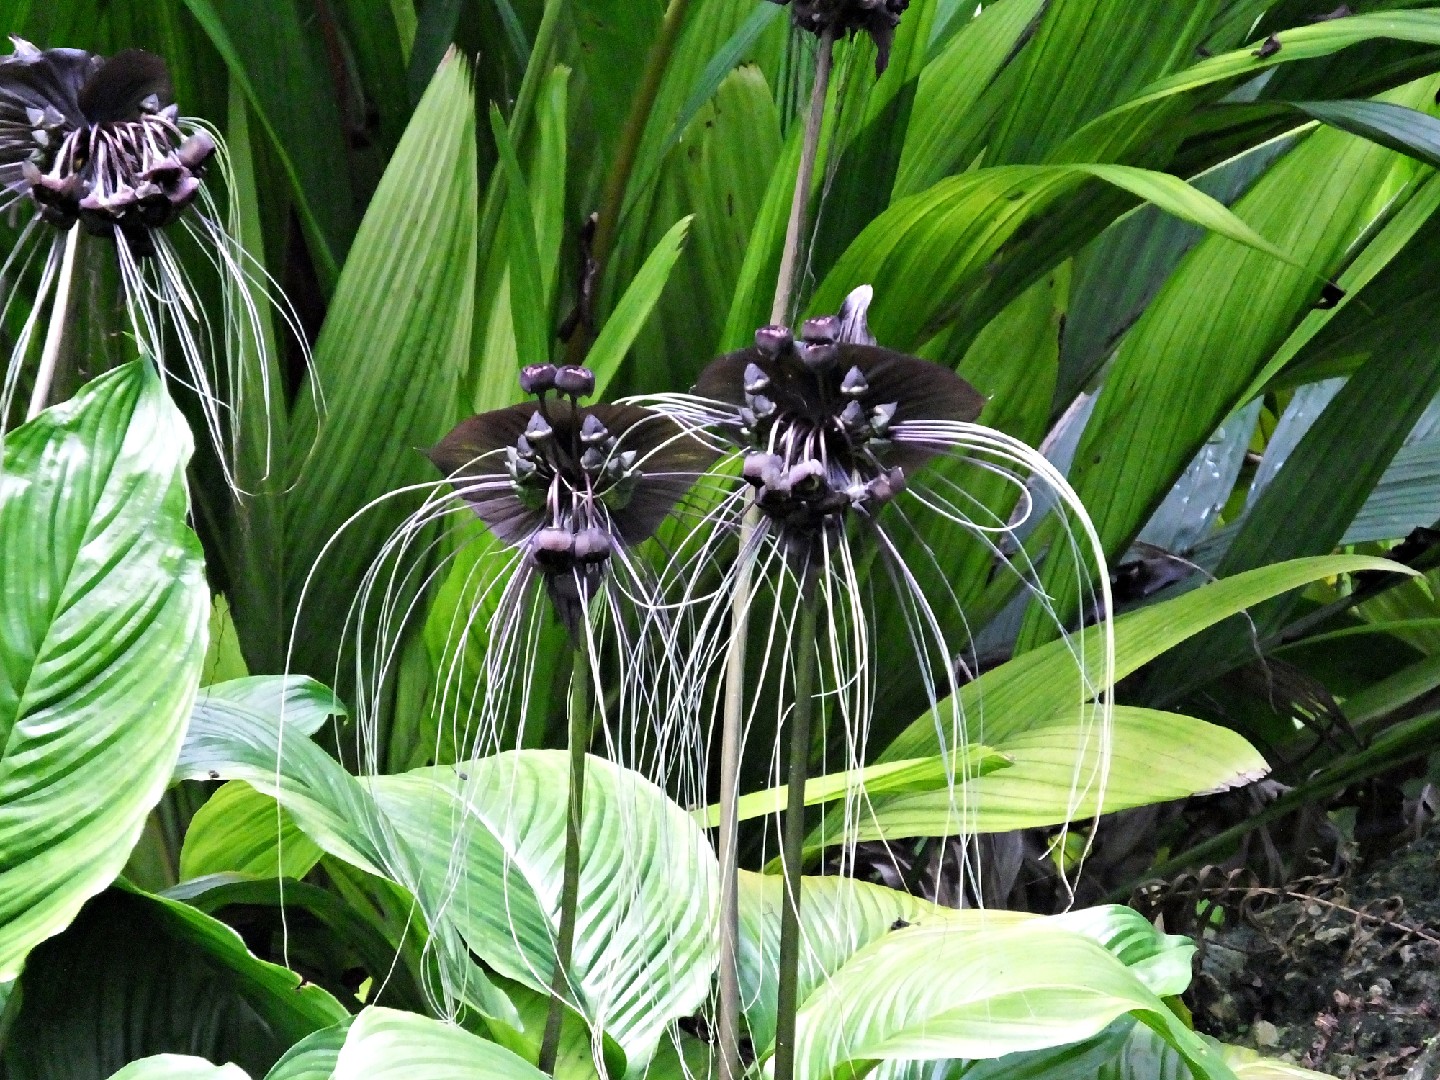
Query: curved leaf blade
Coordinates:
[104,614]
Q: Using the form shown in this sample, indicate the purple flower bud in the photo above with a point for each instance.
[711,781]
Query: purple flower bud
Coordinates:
[575,381]
[807,479]
[537,378]
[592,546]
[593,432]
[553,549]
[818,358]
[774,341]
[195,151]
[756,380]
[822,331]
[854,385]
[539,429]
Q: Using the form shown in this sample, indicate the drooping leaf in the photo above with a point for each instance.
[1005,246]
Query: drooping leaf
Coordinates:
[1036,687]
[491,833]
[159,978]
[103,619]
[384,1044]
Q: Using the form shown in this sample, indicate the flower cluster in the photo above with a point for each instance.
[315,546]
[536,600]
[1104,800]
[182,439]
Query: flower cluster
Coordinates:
[98,141]
[569,484]
[818,419]
[878,18]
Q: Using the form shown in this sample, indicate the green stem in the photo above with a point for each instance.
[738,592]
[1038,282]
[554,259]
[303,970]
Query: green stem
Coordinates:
[790,257]
[612,201]
[793,845]
[55,333]
[580,728]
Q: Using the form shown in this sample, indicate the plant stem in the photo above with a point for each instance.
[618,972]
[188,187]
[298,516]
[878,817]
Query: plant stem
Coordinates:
[570,889]
[790,257]
[55,333]
[728,1020]
[612,201]
[727,1023]
[793,845]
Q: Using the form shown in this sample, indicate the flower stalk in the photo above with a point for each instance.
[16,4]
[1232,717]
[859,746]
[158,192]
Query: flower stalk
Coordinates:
[728,1019]
[793,844]
[581,727]
[55,332]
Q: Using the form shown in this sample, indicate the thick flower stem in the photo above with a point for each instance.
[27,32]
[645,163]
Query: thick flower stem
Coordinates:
[728,1019]
[580,727]
[793,844]
[795,230]
[55,333]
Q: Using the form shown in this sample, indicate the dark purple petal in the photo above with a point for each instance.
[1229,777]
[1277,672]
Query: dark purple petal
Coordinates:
[669,461]
[34,79]
[119,89]
[921,389]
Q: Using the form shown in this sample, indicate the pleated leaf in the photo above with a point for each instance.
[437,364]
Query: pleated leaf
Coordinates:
[103,619]
[384,1044]
[388,362]
[493,832]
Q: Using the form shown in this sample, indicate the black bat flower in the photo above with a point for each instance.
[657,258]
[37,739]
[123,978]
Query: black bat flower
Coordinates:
[98,145]
[569,484]
[878,18]
[98,140]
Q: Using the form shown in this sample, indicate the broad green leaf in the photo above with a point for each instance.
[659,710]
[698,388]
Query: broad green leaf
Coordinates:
[387,1045]
[923,774]
[615,38]
[1248,1065]
[1386,696]
[178,1067]
[951,87]
[929,993]
[1138,122]
[230,739]
[490,835]
[241,831]
[947,236]
[333,935]
[1409,131]
[313,1057]
[103,619]
[1059,773]
[628,318]
[1037,686]
[1086,56]
[388,360]
[159,978]
[840,916]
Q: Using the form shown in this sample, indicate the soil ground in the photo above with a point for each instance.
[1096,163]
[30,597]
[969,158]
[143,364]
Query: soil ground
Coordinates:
[1344,979]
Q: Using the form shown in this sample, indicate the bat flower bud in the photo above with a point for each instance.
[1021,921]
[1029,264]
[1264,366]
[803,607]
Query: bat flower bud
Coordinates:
[537,378]
[98,140]
[574,381]
[568,485]
[820,443]
[878,18]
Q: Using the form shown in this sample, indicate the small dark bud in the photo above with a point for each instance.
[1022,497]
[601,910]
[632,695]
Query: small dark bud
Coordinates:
[593,460]
[195,151]
[882,416]
[774,341]
[852,418]
[553,549]
[575,381]
[761,407]
[1268,49]
[538,430]
[593,432]
[822,331]
[818,358]
[761,468]
[854,384]
[756,380]
[537,378]
[150,103]
[592,546]
[522,469]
